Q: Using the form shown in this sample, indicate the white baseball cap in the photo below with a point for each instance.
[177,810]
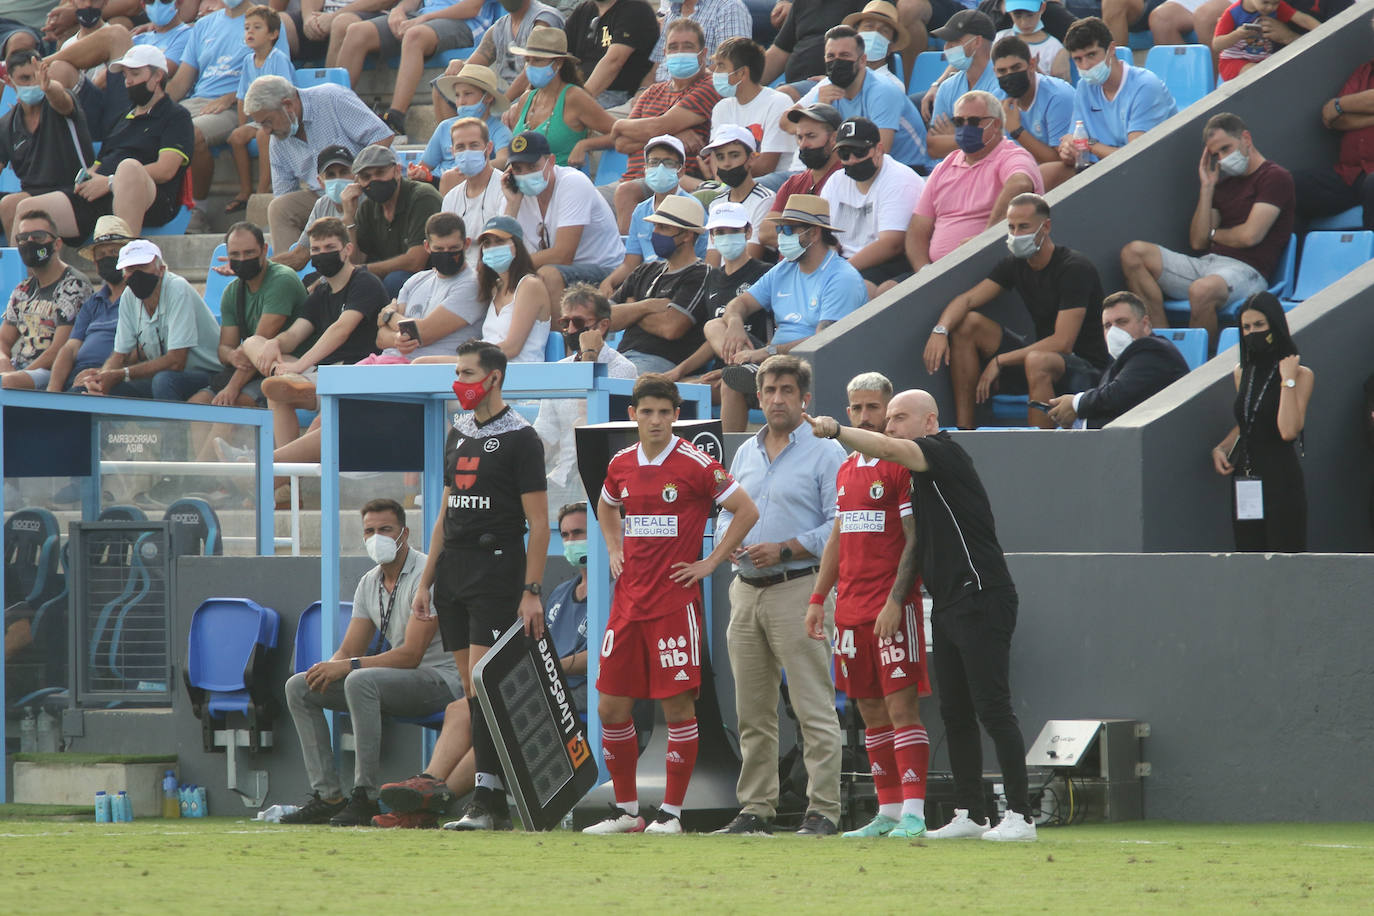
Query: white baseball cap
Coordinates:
[137,253]
[732,133]
[141,56]
[727,215]
[670,141]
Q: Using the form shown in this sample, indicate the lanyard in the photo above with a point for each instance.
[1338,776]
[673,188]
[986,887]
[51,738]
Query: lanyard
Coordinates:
[376,646]
[1250,408]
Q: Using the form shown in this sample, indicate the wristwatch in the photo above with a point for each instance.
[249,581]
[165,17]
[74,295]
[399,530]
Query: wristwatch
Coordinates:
[771,349]
[940,329]
[126,373]
[1017,133]
[355,663]
[534,588]
[1290,383]
[785,553]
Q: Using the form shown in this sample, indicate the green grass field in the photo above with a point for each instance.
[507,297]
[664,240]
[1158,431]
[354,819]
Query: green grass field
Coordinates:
[228,865]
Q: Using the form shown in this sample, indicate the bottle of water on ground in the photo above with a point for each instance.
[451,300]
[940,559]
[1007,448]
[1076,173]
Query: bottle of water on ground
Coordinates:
[103,814]
[126,806]
[171,802]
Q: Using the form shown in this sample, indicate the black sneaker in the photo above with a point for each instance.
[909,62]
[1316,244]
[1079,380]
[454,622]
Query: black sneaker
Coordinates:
[316,810]
[746,824]
[359,811]
[743,379]
[394,119]
[817,824]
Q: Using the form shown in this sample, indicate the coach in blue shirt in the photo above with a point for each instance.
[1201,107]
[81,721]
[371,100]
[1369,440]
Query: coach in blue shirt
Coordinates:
[790,474]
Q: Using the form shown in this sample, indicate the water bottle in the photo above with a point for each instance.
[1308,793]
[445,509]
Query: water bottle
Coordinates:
[126,807]
[202,808]
[193,797]
[28,734]
[171,804]
[102,808]
[1000,791]
[1081,147]
[184,798]
[47,732]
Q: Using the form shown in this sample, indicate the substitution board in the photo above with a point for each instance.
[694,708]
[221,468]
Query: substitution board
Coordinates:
[537,727]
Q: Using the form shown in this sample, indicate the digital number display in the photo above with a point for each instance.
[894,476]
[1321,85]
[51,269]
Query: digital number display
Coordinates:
[527,709]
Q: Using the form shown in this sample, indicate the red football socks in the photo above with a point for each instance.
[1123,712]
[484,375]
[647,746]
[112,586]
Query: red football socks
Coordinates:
[681,758]
[911,747]
[883,765]
[620,747]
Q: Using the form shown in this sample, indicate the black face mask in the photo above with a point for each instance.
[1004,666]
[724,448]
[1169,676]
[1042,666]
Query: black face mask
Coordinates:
[327,263]
[142,283]
[447,263]
[1259,344]
[36,254]
[1016,84]
[88,16]
[246,269]
[139,93]
[841,72]
[511,6]
[862,170]
[381,191]
[813,157]
[107,270]
[733,177]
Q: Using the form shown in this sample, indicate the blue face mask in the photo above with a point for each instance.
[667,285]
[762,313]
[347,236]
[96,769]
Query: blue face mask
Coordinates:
[575,552]
[232,4]
[499,258]
[721,83]
[663,245]
[334,188]
[539,77]
[1097,75]
[875,45]
[682,65]
[730,244]
[956,58]
[473,111]
[1039,24]
[470,161]
[29,95]
[661,179]
[969,138]
[531,185]
[160,14]
[790,245]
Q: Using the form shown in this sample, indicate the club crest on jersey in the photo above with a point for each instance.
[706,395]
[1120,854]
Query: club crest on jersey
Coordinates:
[875,490]
[491,444]
[670,492]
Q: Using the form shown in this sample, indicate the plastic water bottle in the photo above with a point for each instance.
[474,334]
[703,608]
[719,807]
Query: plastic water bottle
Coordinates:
[126,807]
[201,806]
[184,798]
[102,808]
[47,732]
[1082,149]
[171,804]
[193,802]
[28,733]
[1000,791]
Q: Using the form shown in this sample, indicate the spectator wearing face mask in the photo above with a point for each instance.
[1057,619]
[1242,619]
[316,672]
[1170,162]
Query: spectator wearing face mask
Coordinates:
[1028,24]
[1143,364]
[42,306]
[1038,107]
[968,38]
[476,95]
[476,195]
[1062,292]
[335,167]
[732,151]
[386,216]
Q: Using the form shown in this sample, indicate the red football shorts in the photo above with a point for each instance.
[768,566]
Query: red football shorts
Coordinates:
[869,667]
[652,659]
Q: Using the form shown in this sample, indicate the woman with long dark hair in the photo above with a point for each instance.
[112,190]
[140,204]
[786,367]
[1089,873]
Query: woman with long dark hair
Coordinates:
[1268,497]
[518,308]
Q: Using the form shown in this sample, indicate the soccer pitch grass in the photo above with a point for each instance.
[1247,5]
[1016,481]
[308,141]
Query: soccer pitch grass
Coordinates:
[228,865]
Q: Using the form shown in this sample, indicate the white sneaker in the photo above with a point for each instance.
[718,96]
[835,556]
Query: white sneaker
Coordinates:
[961,828]
[618,822]
[665,823]
[1013,829]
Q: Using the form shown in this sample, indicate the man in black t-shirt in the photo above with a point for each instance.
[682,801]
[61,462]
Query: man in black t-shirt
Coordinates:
[662,304]
[484,579]
[974,603]
[1063,294]
[799,46]
[613,39]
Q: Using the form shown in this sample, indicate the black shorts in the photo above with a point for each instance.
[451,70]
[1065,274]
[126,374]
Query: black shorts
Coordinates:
[1079,374]
[477,595]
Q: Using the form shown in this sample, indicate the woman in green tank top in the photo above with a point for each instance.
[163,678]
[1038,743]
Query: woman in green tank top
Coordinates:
[556,105]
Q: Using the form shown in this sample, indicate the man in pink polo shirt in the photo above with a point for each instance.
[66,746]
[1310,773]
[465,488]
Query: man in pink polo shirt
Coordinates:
[971,187]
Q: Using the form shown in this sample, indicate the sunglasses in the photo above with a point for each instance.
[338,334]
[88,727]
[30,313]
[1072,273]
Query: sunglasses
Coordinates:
[848,153]
[970,122]
[40,237]
[574,325]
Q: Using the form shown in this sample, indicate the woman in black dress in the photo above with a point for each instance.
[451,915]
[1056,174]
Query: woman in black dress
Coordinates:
[1268,499]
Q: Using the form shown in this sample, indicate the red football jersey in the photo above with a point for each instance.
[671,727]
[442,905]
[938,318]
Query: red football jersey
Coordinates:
[667,502]
[871,499]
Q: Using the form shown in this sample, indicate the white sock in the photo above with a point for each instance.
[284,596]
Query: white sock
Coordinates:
[490,781]
[198,204]
[892,810]
[916,806]
[674,810]
[630,807]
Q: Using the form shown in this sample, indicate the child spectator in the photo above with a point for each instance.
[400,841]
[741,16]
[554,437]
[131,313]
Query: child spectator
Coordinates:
[1251,30]
[261,26]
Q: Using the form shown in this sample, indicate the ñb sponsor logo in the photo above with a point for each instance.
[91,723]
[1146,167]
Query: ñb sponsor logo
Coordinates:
[651,526]
[892,652]
[863,521]
[671,654]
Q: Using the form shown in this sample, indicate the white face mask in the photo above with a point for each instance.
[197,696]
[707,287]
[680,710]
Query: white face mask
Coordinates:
[1118,339]
[382,549]
[1235,163]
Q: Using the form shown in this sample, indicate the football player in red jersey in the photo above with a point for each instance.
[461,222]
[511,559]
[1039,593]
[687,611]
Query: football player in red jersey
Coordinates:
[880,644]
[666,488]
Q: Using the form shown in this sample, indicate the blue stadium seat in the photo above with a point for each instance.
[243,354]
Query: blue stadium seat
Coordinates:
[1346,219]
[1227,339]
[894,64]
[32,546]
[318,77]
[1009,406]
[11,271]
[1185,69]
[444,58]
[307,644]
[1326,257]
[553,348]
[195,528]
[226,669]
[929,66]
[175,226]
[7,98]
[215,283]
[610,167]
[1191,342]
[406,157]
[9,182]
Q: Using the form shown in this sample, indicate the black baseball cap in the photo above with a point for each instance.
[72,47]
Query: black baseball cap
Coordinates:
[332,154]
[828,115]
[531,146]
[965,23]
[859,132]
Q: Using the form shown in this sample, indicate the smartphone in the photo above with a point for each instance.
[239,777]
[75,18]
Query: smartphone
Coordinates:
[1253,26]
[408,328]
[82,175]
[1040,406]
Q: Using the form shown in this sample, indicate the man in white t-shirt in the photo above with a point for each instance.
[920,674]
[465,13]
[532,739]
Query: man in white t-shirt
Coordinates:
[736,71]
[871,202]
[477,198]
[570,230]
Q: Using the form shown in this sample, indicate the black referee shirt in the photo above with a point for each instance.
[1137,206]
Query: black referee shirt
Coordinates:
[954,525]
[488,467]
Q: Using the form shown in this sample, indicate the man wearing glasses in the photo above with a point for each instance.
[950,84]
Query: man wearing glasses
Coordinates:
[42,306]
[971,187]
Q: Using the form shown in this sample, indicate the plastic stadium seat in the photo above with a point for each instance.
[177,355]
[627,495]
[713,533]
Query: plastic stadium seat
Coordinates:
[9,182]
[307,644]
[11,271]
[225,663]
[929,66]
[215,283]
[31,557]
[7,98]
[1228,338]
[318,77]
[195,528]
[122,514]
[1185,69]
[1191,342]
[444,58]
[1346,219]
[406,157]
[1009,406]
[1326,257]
[610,167]
[175,226]
[553,348]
